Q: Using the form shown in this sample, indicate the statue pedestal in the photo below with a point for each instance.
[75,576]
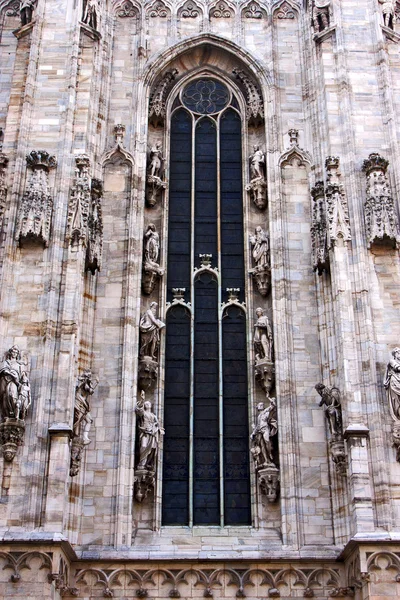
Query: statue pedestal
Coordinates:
[264,371]
[155,185]
[268,479]
[11,436]
[148,371]
[257,189]
[262,277]
[338,456]
[151,274]
[143,483]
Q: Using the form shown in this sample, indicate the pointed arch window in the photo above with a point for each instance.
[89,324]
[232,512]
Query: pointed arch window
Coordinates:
[206,454]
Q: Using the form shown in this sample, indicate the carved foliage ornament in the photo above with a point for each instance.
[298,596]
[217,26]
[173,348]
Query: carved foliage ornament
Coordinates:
[381,219]
[158,98]
[254,102]
[36,206]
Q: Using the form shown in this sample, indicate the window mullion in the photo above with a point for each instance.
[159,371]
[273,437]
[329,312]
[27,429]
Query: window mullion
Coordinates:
[192,299]
[220,391]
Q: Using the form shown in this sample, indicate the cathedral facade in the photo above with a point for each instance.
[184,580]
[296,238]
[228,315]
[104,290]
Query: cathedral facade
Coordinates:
[199,299]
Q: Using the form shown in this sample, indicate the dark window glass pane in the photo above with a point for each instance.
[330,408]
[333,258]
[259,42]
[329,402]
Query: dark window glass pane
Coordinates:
[206,376]
[231,203]
[179,217]
[206,190]
[236,431]
[175,506]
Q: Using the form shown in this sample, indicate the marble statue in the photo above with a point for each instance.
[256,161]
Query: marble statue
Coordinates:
[15,396]
[330,400]
[156,161]
[392,383]
[265,429]
[149,432]
[90,13]
[260,243]
[152,245]
[388,10]
[82,417]
[149,327]
[257,163]
[26,11]
[263,340]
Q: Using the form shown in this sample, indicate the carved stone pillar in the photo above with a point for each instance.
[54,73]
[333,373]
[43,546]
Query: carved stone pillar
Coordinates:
[381,219]
[85,223]
[336,204]
[319,233]
[36,206]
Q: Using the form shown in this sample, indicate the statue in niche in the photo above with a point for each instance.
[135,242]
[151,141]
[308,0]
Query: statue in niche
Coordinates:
[156,161]
[261,255]
[260,243]
[257,163]
[82,418]
[26,11]
[15,395]
[388,11]
[320,15]
[265,429]
[263,340]
[150,432]
[91,13]
[152,245]
[392,384]
[330,401]
[149,327]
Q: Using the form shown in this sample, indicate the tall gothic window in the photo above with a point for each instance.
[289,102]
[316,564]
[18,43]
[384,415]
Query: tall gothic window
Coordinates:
[206,454]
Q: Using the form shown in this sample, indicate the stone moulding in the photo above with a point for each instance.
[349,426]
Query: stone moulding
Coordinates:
[381,220]
[275,581]
[36,206]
